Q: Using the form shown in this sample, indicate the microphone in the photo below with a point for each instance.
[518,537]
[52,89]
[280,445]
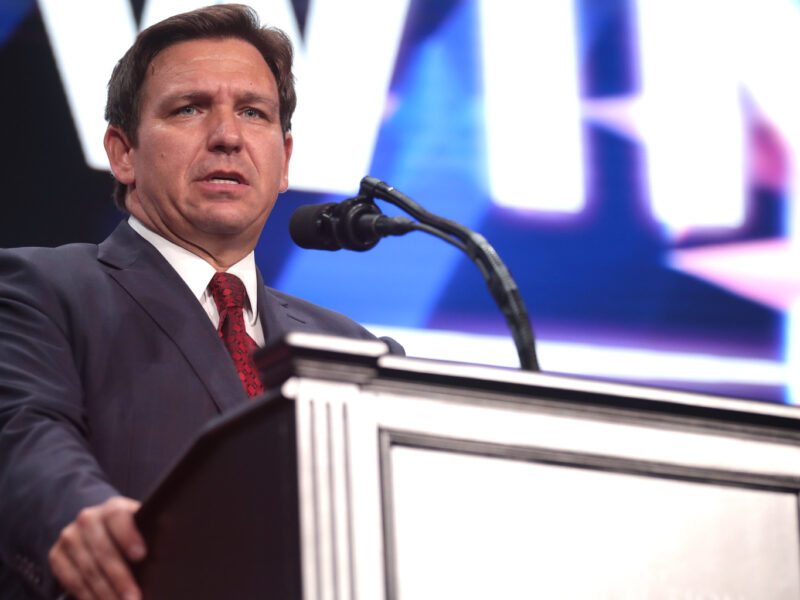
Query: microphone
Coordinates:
[357,224]
[354,224]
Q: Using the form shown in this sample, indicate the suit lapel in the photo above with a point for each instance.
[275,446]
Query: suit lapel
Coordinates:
[149,279]
[276,317]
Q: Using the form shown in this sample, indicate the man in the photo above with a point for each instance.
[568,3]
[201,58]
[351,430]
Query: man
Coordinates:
[113,356]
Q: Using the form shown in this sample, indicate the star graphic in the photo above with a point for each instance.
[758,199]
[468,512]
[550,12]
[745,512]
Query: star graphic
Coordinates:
[764,271]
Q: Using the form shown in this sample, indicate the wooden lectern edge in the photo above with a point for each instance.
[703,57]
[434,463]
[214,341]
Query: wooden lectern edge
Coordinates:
[200,446]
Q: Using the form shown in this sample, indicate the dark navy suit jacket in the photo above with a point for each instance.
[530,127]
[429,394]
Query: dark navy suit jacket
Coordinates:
[108,368]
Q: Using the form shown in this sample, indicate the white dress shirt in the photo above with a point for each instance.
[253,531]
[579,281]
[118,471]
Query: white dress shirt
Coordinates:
[197,274]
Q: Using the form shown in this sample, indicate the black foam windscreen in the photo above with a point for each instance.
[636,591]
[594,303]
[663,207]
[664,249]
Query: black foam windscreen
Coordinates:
[306,227]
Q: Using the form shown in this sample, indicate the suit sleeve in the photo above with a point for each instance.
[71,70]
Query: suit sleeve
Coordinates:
[47,471]
[394,346]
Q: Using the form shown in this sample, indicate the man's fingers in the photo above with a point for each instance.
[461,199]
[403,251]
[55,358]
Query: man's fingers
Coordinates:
[79,569]
[89,558]
[114,577]
[69,576]
[122,527]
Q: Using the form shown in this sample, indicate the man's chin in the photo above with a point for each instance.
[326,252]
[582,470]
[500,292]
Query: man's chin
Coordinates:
[228,224]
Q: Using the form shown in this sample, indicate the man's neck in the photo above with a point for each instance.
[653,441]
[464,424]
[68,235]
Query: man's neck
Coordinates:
[219,253]
[220,258]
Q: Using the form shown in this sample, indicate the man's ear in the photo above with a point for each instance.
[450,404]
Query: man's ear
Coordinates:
[288,144]
[120,154]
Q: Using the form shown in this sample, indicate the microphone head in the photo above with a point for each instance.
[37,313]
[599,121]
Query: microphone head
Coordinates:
[349,224]
[308,227]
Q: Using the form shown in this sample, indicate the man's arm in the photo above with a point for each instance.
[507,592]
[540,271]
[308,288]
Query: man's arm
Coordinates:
[48,474]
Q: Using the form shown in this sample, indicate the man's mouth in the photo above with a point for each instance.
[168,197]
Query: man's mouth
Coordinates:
[226,178]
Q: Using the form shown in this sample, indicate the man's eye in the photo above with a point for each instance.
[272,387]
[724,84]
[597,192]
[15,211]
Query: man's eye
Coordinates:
[187,110]
[252,113]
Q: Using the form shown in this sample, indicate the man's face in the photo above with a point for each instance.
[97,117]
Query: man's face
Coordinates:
[211,157]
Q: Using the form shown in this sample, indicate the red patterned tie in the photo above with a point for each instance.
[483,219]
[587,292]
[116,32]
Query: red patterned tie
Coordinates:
[228,292]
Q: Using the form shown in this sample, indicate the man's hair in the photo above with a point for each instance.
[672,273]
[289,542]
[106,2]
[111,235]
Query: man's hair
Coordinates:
[213,22]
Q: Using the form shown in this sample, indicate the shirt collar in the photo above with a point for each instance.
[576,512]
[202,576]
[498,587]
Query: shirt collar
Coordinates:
[196,272]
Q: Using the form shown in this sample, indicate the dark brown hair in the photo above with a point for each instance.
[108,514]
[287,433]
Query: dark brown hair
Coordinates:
[221,21]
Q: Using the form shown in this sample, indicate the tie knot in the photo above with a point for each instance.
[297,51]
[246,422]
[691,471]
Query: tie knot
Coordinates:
[227,291]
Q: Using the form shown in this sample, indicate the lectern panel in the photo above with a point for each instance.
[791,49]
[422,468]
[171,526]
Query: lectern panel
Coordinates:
[472,526]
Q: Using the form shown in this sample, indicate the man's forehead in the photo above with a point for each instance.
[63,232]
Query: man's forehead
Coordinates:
[201,57]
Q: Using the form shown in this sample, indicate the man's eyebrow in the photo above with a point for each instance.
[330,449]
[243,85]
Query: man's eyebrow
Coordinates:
[191,96]
[197,96]
[255,98]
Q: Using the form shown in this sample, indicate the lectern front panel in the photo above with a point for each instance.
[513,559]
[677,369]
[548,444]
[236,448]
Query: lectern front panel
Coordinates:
[473,526]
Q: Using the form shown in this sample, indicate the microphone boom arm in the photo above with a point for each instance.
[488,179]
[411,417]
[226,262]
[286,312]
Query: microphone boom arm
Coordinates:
[501,284]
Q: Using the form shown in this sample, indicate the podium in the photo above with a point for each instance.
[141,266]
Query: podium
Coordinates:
[365,475]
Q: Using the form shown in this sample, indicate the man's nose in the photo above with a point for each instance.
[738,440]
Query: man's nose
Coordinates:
[225,133]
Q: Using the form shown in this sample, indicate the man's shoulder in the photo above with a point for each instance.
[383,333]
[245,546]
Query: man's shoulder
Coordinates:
[61,282]
[63,263]
[45,255]
[301,308]
[72,264]
[324,320]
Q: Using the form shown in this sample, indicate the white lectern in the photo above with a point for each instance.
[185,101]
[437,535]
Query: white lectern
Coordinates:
[365,475]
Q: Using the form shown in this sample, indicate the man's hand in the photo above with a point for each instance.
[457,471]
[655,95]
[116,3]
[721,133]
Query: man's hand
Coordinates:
[90,557]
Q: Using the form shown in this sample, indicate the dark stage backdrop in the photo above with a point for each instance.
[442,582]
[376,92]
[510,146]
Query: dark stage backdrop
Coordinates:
[631,160]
